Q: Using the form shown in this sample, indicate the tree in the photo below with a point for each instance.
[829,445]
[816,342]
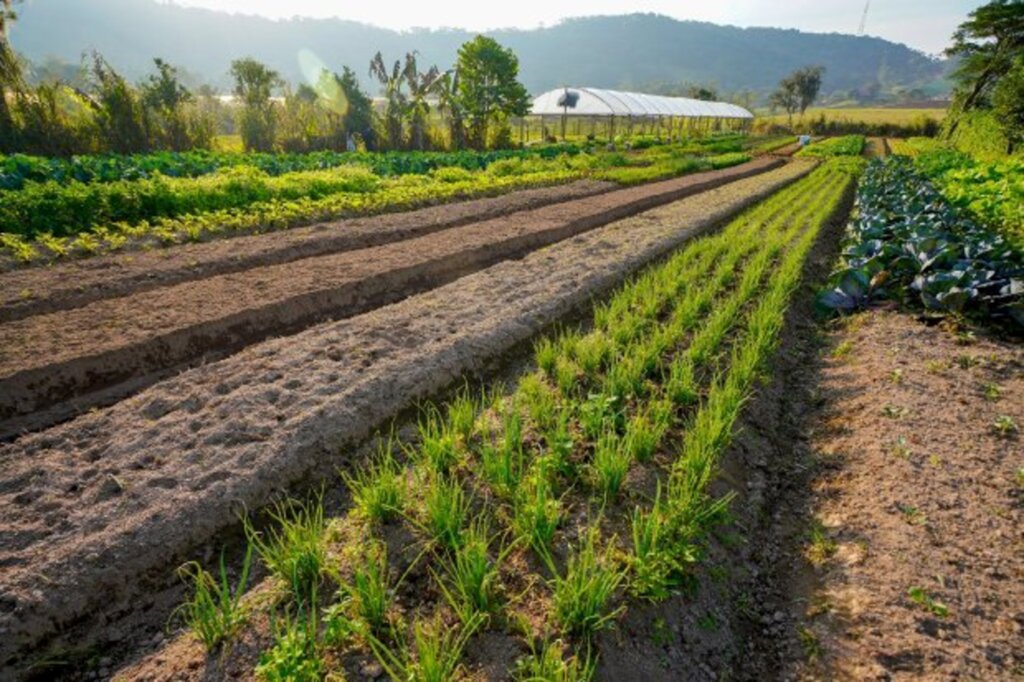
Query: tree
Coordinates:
[807,83]
[420,86]
[394,99]
[706,93]
[165,96]
[120,114]
[987,45]
[451,108]
[254,85]
[1008,105]
[488,87]
[10,77]
[786,97]
[358,118]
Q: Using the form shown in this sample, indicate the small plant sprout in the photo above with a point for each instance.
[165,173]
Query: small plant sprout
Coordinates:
[378,490]
[369,591]
[912,514]
[1019,475]
[843,350]
[214,613]
[900,448]
[547,663]
[446,509]
[583,594]
[894,411]
[295,655]
[936,366]
[610,464]
[967,361]
[438,650]
[1005,425]
[920,596]
[993,392]
[820,546]
[896,376]
[472,584]
[810,643]
[537,512]
[295,546]
[438,445]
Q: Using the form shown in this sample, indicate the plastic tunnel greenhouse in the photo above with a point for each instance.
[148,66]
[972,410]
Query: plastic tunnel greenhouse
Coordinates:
[597,111]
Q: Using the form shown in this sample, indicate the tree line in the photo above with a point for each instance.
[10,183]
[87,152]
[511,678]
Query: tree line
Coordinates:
[467,106]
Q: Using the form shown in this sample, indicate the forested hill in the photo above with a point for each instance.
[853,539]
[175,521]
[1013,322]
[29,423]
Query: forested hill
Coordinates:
[635,51]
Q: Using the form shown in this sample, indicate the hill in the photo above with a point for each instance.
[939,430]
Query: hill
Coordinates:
[639,51]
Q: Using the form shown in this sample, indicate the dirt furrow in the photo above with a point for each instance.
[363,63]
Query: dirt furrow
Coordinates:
[39,290]
[98,502]
[56,365]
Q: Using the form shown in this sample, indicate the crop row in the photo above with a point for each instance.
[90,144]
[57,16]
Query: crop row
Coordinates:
[18,169]
[992,191]
[909,243]
[47,221]
[513,498]
[850,145]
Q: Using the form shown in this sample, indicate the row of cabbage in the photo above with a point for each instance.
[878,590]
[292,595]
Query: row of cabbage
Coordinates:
[909,242]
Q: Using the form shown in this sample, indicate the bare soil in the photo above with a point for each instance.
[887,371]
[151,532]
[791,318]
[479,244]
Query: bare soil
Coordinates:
[57,364]
[95,505]
[917,490]
[37,289]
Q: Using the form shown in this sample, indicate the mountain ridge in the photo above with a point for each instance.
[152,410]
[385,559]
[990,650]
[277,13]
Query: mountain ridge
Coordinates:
[634,51]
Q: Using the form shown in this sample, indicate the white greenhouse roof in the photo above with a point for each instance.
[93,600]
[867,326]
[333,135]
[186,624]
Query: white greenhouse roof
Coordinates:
[599,102]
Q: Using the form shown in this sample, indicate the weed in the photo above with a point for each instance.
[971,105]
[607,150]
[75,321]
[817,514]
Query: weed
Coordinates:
[967,361]
[993,392]
[896,376]
[912,514]
[295,655]
[214,612]
[820,546]
[599,413]
[810,643]
[899,448]
[438,650]
[378,490]
[935,461]
[894,411]
[966,338]
[707,622]
[920,596]
[936,366]
[1019,475]
[656,561]
[295,547]
[1005,426]
[843,350]
[549,664]
[370,591]
[582,596]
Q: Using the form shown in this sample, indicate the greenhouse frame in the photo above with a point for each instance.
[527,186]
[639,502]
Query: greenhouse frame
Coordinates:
[614,112]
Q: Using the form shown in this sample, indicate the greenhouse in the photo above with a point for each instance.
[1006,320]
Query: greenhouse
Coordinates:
[596,111]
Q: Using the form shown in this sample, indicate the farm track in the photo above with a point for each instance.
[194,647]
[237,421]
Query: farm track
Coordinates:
[99,503]
[56,365]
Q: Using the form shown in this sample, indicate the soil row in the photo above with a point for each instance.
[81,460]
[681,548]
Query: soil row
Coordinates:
[56,365]
[98,502]
[72,284]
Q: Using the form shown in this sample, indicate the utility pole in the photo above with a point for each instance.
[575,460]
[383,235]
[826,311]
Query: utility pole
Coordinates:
[864,18]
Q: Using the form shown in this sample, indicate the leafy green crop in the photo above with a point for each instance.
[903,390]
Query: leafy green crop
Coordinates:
[850,145]
[908,242]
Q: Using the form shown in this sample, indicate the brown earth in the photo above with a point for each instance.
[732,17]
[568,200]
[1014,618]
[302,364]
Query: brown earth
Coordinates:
[58,364]
[36,290]
[918,489]
[96,504]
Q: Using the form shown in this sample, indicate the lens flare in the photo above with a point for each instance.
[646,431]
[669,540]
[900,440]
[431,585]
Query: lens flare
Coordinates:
[323,80]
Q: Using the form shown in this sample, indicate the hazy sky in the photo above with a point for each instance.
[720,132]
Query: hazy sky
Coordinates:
[923,24]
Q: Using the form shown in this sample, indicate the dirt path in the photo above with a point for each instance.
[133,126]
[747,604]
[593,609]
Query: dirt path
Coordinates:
[38,290]
[95,504]
[55,365]
[917,517]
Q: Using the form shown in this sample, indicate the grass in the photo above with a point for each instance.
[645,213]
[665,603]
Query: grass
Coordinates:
[435,655]
[370,590]
[871,115]
[472,583]
[582,595]
[445,510]
[295,654]
[378,490]
[548,663]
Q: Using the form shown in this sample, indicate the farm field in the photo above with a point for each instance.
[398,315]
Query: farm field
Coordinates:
[479,374]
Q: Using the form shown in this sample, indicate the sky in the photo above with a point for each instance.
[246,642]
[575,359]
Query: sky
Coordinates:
[922,24]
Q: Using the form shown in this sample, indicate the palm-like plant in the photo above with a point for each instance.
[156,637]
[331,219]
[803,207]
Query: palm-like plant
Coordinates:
[451,109]
[420,86]
[395,100]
